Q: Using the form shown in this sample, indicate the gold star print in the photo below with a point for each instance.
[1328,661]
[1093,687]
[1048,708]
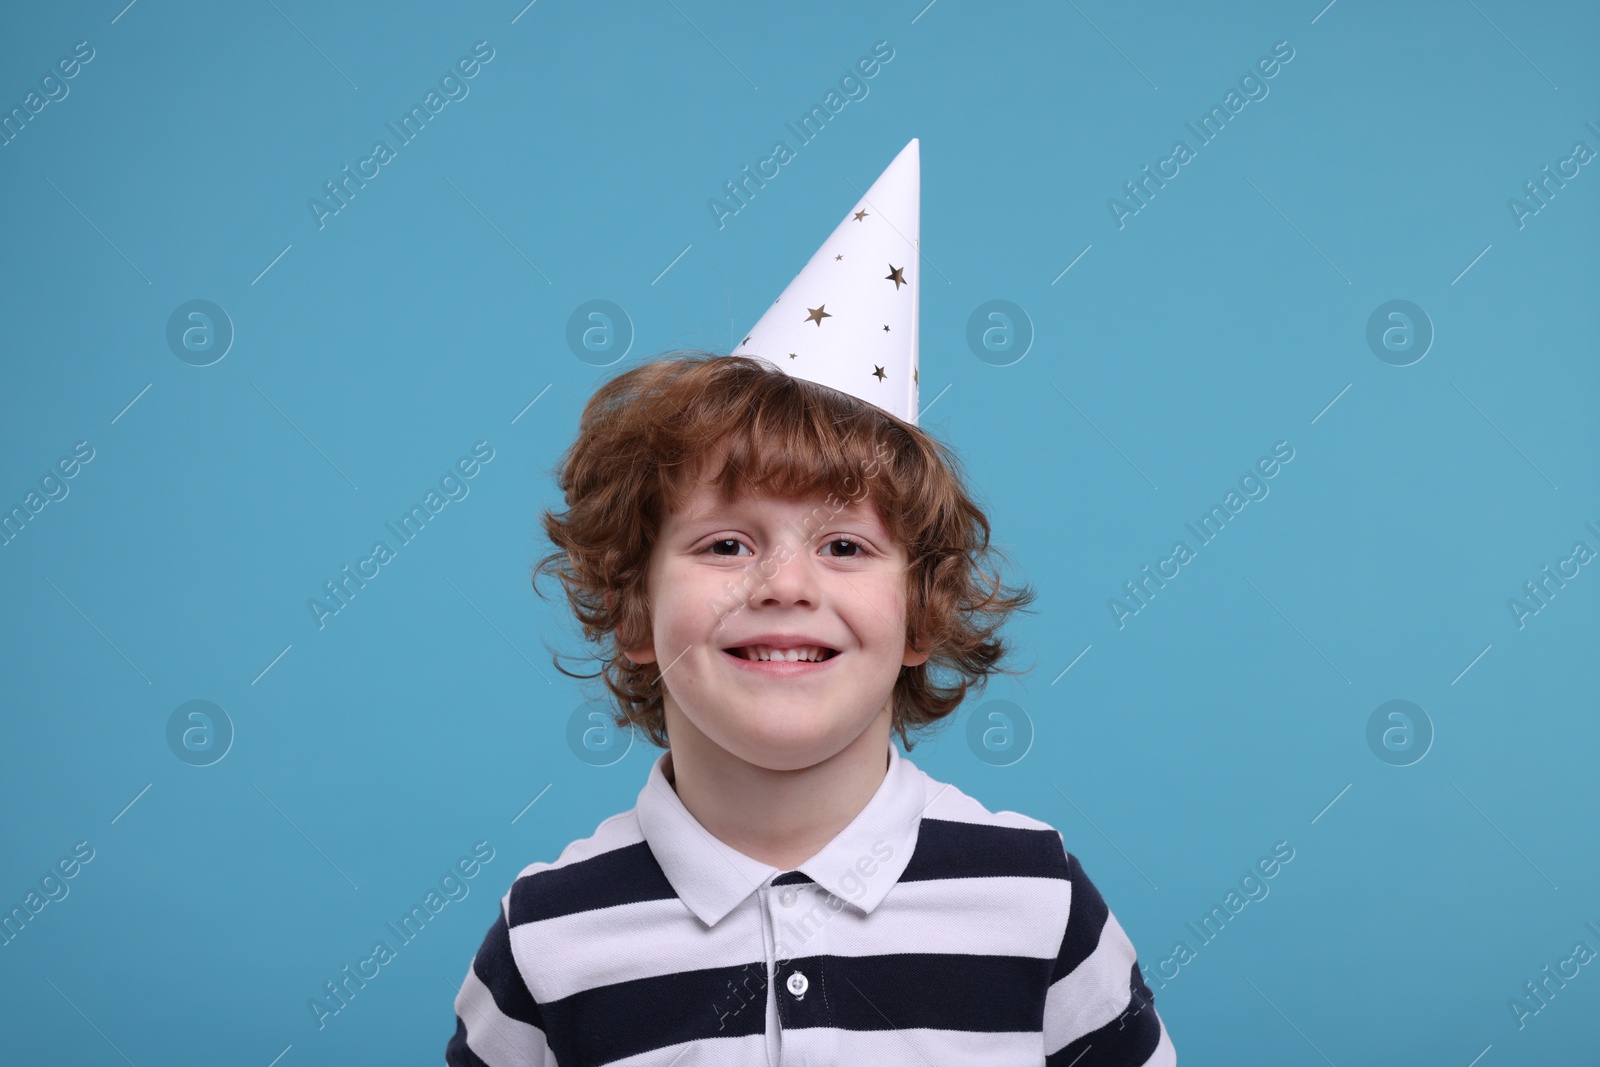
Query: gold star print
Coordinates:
[886,327]
[895,275]
[914,378]
[817,314]
[859,215]
[837,258]
[878,373]
[791,355]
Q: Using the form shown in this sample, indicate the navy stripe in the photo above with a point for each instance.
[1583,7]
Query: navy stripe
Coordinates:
[986,994]
[1130,1038]
[609,1022]
[457,1054]
[627,875]
[968,850]
[1084,922]
[496,968]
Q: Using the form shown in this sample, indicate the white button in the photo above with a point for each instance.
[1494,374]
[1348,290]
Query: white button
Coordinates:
[787,897]
[798,985]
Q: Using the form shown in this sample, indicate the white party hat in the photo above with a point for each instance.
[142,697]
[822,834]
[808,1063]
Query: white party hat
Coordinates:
[849,319]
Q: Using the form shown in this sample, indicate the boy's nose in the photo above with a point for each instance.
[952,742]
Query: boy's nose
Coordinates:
[793,578]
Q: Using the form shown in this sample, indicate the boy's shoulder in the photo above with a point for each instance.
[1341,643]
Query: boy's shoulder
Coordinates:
[613,865]
[957,830]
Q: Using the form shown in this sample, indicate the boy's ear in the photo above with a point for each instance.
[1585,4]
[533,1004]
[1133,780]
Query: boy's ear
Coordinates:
[913,658]
[645,653]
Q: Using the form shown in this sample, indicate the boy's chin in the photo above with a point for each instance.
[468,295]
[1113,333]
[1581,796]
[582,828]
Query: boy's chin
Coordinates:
[792,750]
[787,758]
[793,739]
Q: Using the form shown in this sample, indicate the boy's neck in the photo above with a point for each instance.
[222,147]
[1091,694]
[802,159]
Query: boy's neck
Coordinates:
[780,818]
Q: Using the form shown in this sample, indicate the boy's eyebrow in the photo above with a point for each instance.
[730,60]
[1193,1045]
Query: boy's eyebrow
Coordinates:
[853,512]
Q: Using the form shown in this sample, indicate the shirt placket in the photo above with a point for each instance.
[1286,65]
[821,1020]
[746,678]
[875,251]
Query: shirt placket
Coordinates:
[774,1028]
[801,923]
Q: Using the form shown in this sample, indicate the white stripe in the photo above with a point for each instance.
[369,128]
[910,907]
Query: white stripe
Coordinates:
[585,950]
[710,1052]
[498,1039]
[572,953]
[967,916]
[1095,993]
[911,1047]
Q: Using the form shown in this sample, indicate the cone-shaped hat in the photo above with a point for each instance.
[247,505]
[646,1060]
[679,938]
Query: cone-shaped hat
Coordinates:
[849,319]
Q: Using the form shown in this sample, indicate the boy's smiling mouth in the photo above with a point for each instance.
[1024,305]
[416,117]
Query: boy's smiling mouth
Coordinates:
[780,648]
[780,667]
[782,655]
[767,654]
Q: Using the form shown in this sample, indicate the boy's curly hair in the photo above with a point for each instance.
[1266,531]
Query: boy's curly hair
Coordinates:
[650,434]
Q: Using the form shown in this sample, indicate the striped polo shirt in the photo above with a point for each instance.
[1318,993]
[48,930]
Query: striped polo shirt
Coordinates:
[931,931]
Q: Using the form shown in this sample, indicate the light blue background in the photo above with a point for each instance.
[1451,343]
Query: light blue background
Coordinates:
[425,316]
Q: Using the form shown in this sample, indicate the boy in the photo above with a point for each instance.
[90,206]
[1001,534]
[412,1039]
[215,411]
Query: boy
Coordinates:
[777,556]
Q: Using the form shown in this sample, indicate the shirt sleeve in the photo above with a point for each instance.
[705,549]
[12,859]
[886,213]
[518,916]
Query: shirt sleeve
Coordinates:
[497,1020]
[1098,1011]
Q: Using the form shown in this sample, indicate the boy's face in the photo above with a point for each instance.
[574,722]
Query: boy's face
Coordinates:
[723,576]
